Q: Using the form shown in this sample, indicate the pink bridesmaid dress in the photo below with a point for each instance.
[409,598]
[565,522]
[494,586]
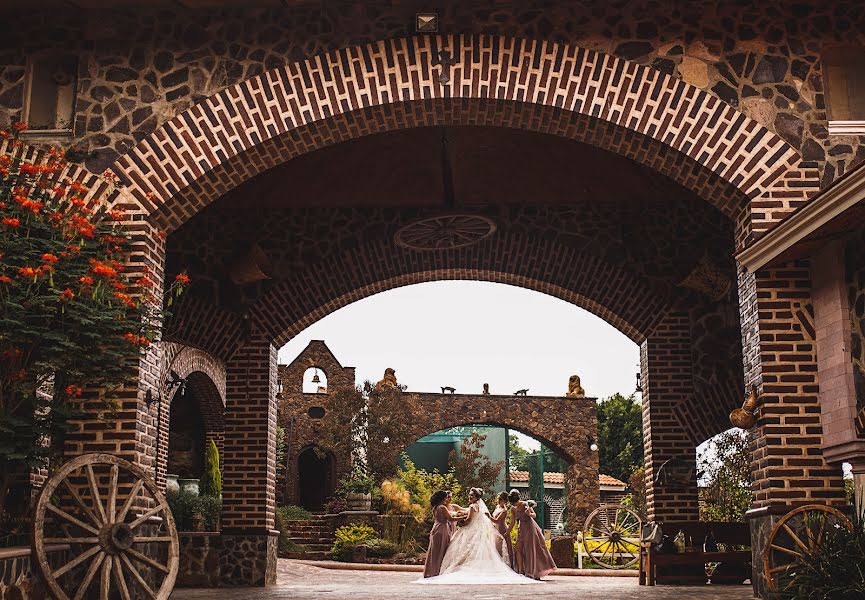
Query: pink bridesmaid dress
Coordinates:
[439,538]
[531,546]
[502,527]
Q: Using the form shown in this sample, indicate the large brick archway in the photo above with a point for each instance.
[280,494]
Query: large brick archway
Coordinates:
[261,122]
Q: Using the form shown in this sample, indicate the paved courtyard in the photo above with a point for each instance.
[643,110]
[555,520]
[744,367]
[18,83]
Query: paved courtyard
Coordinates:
[300,581]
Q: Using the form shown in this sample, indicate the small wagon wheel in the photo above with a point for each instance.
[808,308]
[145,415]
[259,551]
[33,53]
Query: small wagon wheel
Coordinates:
[611,537]
[797,535]
[108,511]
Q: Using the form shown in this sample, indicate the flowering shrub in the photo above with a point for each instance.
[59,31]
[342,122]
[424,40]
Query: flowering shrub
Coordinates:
[348,537]
[396,500]
[72,317]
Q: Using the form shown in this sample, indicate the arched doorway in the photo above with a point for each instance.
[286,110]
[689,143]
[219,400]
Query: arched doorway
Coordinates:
[186,436]
[315,478]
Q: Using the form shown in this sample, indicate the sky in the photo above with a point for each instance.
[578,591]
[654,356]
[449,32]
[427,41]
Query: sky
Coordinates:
[466,333]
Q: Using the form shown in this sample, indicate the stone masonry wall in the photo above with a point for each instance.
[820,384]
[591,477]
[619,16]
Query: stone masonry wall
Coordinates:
[138,70]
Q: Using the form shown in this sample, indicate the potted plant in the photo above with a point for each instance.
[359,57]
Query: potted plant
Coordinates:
[358,491]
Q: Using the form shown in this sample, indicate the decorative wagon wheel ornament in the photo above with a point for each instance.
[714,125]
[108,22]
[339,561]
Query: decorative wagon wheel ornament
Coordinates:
[446,232]
[611,537]
[106,509]
[798,534]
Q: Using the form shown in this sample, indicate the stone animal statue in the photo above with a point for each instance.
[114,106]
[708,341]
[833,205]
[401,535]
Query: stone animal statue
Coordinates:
[388,381]
[448,389]
[521,392]
[486,391]
[746,417]
[575,390]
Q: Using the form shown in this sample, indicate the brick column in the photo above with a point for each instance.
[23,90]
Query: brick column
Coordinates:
[248,546]
[665,363]
[130,430]
[778,343]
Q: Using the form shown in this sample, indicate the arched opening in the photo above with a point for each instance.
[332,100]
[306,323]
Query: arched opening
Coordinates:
[187,435]
[315,469]
[314,381]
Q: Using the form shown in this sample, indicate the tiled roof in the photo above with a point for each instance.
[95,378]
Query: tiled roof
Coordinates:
[607,480]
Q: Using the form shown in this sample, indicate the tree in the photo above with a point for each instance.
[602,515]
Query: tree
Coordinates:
[72,320]
[516,454]
[471,468]
[536,480]
[726,464]
[620,436]
[211,481]
[636,498]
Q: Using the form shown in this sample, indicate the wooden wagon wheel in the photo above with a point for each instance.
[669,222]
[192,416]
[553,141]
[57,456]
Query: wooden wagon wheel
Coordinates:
[611,536]
[796,536]
[108,511]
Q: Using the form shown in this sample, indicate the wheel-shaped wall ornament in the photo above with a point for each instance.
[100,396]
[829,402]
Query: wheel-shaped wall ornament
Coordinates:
[611,537]
[122,538]
[797,535]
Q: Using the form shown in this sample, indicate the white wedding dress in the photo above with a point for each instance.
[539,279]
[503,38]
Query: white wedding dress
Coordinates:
[474,555]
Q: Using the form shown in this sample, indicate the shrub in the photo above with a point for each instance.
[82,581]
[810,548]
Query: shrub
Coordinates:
[402,531]
[421,483]
[184,504]
[335,505]
[291,512]
[348,537]
[357,483]
[211,481]
[835,570]
[396,500]
[379,548]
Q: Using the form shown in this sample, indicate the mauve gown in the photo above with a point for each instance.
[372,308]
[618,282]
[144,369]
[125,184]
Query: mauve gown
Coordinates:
[502,526]
[439,538]
[537,560]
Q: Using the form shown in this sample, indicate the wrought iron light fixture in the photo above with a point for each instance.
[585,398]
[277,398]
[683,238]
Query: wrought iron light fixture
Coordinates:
[279,389]
[175,380]
[639,388]
[593,446]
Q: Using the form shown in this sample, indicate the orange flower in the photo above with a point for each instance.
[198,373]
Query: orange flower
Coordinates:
[86,280]
[182,279]
[117,215]
[11,222]
[27,272]
[67,295]
[118,285]
[5,279]
[49,258]
[18,126]
[73,391]
[100,268]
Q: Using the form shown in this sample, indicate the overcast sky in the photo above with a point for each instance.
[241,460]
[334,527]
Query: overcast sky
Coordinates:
[464,334]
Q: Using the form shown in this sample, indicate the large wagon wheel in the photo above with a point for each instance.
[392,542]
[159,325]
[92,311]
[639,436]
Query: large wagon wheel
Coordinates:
[794,538]
[611,536]
[108,511]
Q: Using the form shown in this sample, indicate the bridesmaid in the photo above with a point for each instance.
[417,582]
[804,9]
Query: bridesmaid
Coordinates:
[500,517]
[440,536]
[533,558]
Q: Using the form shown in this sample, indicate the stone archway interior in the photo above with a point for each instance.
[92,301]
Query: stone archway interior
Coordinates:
[186,436]
[315,478]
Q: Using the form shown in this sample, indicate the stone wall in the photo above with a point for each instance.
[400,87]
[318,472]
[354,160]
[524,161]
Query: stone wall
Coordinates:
[138,70]
[855,278]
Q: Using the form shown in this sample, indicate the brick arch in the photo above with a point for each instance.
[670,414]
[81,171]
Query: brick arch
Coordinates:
[621,297]
[562,424]
[259,123]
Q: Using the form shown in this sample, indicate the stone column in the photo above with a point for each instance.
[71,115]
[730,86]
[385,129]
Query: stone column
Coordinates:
[248,542]
[665,363]
[778,343]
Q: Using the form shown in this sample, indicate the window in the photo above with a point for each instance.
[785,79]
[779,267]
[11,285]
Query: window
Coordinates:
[51,93]
[844,78]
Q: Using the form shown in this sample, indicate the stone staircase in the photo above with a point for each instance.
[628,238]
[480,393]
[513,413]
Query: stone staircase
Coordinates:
[316,535]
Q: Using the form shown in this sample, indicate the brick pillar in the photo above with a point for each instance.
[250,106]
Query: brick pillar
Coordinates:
[778,343]
[248,551]
[130,430]
[665,363]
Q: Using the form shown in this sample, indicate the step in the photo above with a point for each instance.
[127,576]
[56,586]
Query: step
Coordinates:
[311,555]
[308,533]
[316,547]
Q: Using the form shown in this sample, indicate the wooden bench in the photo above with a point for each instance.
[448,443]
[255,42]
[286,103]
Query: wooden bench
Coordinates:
[689,567]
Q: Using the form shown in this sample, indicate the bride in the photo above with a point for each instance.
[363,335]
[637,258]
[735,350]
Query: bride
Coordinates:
[474,555]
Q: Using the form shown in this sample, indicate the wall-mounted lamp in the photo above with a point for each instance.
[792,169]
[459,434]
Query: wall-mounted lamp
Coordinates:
[639,388]
[279,389]
[175,380]
[593,446]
